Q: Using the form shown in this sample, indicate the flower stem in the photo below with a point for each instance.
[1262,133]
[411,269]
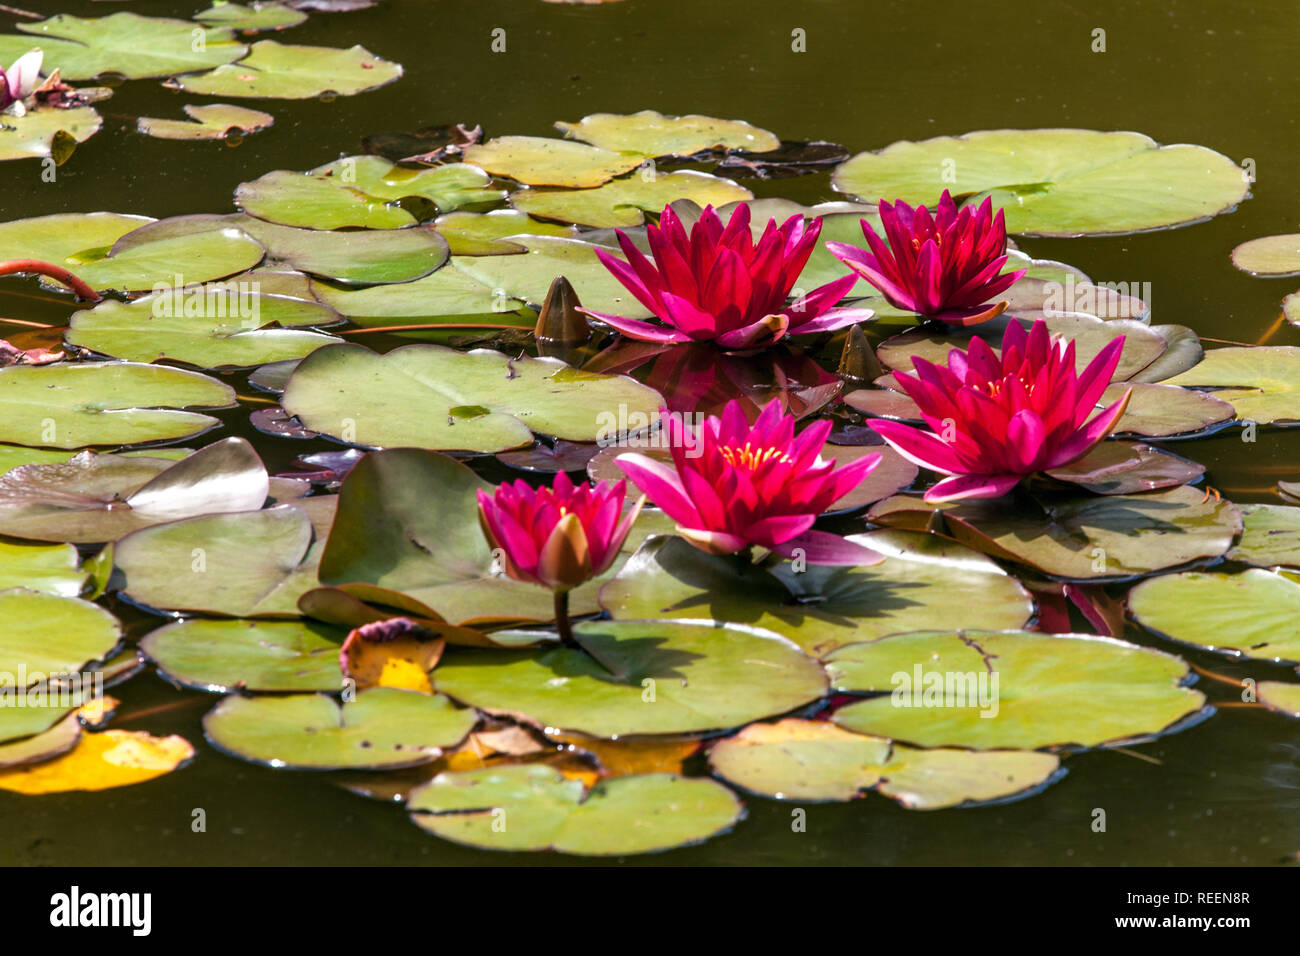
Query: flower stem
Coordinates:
[57,273]
[562,619]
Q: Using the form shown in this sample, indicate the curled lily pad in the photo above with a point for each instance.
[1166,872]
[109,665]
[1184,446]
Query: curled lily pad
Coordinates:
[59,739]
[213,121]
[1055,182]
[1269,256]
[923,581]
[45,132]
[226,656]
[82,48]
[653,134]
[103,497]
[538,808]
[479,400]
[486,233]
[247,564]
[537,161]
[46,635]
[102,761]
[430,549]
[106,403]
[1011,689]
[1112,536]
[797,759]
[289,72]
[211,326]
[1122,468]
[381,727]
[1252,614]
[623,202]
[1262,383]
[528,275]
[1270,536]
[85,244]
[640,677]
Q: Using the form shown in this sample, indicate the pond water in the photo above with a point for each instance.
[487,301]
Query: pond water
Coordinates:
[1226,791]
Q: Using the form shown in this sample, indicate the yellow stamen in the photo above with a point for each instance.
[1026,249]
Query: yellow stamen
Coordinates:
[751,458]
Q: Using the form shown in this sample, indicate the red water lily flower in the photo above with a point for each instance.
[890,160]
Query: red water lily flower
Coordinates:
[944,266]
[717,284]
[733,485]
[995,420]
[560,536]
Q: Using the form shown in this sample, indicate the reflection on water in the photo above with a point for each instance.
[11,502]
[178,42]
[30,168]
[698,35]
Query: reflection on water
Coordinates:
[1224,792]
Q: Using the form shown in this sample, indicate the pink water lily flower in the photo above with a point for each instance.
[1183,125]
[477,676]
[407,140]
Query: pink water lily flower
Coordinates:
[717,284]
[995,420]
[733,485]
[560,536]
[946,266]
[21,79]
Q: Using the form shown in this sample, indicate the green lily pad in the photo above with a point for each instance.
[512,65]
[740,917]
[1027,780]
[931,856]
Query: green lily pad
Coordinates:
[1055,182]
[1270,537]
[537,161]
[447,187]
[430,549]
[367,257]
[1262,382]
[295,199]
[94,498]
[1051,690]
[523,808]
[529,275]
[477,401]
[448,294]
[1083,538]
[247,564]
[257,16]
[923,581]
[33,134]
[85,243]
[1163,411]
[624,202]
[653,134]
[227,656]
[37,717]
[213,121]
[382,727]
[640,677]
[1123,468]
[50,569]
[47,635]
[57,740]
[1252,614]
[12,456]
[210,326]
[104,403]
[486,233]
[289,72]
[134,46]
[1283,698]
[1269,256]
[812,760]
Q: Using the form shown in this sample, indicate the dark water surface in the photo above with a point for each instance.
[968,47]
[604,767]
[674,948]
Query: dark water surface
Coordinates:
[1226,791]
